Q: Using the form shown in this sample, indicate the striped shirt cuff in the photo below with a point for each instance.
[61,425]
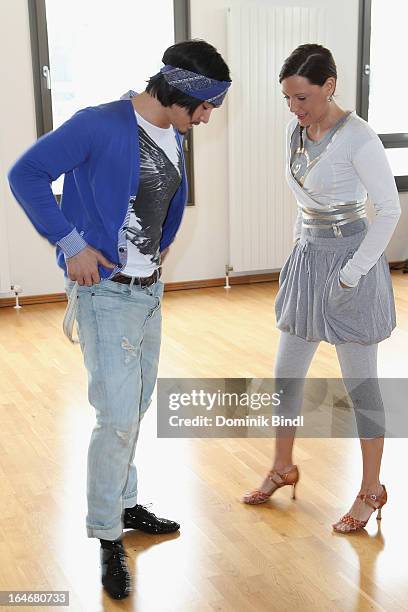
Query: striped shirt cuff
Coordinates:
[72,244]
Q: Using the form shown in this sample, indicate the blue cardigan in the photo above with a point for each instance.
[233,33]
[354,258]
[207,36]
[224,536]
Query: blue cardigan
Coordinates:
[98,151]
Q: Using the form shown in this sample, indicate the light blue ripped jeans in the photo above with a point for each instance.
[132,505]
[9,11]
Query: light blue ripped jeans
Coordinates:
[119,331]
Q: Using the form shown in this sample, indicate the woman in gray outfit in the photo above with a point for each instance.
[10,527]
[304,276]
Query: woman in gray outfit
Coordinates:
[335,286]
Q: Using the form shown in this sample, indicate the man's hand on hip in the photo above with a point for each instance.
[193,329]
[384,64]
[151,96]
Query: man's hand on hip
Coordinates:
[83,267]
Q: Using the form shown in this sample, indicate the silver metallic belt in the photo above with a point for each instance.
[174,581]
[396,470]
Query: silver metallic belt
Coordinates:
[339,214]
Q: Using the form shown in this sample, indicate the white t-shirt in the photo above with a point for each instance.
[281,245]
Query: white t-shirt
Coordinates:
[160,177]
[164,137]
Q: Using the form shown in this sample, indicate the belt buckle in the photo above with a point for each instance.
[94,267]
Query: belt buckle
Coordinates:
[337,231]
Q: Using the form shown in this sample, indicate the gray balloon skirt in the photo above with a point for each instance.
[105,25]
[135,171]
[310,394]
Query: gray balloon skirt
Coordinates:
[313,305]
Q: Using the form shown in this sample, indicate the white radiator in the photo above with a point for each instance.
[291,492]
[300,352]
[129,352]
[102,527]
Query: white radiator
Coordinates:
[262,211]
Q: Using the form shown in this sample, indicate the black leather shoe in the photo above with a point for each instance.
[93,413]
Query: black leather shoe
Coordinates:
[115,574]
[139,517]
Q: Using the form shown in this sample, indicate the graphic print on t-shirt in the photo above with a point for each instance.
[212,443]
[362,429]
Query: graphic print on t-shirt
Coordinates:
[159,181]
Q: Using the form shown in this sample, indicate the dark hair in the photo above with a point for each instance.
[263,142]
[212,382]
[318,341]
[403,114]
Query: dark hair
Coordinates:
[314,62]
[195,55]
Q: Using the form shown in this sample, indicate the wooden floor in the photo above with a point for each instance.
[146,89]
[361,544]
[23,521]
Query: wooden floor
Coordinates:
[230,557]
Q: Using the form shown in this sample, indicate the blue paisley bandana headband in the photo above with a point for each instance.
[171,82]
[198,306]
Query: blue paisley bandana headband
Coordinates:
[196,85]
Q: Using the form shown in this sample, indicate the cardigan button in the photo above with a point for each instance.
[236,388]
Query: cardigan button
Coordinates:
[122,249]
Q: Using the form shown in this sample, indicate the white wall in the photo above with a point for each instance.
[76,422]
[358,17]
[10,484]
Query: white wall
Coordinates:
[201,248]
[31,258]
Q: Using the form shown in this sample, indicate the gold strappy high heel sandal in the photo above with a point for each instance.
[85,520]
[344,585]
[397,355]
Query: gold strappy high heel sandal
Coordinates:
[280,479]
[348,524]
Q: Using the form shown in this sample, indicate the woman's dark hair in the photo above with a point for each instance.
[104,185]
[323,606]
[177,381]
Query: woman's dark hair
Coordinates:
[195,55]
[314,62]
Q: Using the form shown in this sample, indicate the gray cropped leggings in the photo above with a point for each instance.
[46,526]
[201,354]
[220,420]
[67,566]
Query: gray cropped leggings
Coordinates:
[357,361]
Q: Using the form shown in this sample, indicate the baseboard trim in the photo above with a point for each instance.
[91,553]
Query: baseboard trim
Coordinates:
[247,279]
[28,300]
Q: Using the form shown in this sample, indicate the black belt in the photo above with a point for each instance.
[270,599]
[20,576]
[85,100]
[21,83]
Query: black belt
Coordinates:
[144,281]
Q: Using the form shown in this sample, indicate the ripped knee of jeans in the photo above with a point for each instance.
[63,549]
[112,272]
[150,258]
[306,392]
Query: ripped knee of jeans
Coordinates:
[131,351]
[126,435]
[123,435]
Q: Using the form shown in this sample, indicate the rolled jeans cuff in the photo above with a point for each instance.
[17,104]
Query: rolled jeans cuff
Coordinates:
[129,502]
[113,533]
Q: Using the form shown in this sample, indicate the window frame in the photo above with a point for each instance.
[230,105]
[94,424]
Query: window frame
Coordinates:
[390,141]
[40,60]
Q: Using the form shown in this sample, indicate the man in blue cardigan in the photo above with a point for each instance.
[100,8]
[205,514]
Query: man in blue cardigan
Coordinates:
[123,198]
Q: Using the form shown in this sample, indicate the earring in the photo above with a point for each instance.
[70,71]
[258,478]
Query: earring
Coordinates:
[330,98]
